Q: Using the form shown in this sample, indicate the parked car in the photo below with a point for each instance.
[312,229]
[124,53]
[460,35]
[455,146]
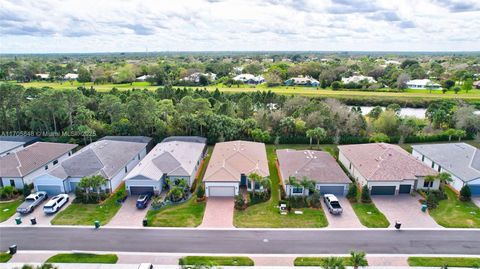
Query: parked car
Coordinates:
[55,203]
[145,266]
[143,200]
[32,201]
[333,204]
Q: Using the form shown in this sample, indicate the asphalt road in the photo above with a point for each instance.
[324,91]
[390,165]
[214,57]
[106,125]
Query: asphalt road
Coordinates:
[243,241]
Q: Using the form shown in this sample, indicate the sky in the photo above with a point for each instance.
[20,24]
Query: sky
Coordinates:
[81,26]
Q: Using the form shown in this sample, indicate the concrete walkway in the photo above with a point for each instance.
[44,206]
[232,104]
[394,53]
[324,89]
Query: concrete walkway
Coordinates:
[129,215]
[218,213]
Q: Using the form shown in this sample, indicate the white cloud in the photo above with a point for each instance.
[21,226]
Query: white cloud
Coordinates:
[44,26]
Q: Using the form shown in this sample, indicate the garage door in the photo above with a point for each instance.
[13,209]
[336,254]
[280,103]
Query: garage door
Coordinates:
[405,188]
[137,190]
[383,190]
[475,189]
[337,190]
[221,191]
[50,189]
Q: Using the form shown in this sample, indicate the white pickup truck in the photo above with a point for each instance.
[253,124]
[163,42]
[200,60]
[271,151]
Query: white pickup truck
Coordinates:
[31,202]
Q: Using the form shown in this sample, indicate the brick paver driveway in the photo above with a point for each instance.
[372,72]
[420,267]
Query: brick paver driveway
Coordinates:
[406,209]
[347,219]
[129,215]
[219,213]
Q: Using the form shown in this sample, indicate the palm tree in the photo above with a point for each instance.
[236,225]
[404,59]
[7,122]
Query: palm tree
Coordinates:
[307,184]
[317,133]
[357,259]
[444,178]
[429,179]
[310,134]
[333,263]
[294,183]
[254,177]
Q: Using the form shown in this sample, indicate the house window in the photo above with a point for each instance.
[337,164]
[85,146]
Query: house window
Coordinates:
[433,164]
[138,156]
[12,182]
[350,166]
[297,190]
[423,158]
[69,153]
[46,167]
[427,184]
[55,162]
[125,169]
[439,168]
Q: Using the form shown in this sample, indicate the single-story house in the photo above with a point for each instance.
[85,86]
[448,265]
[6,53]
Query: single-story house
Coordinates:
[302,81]
[231,163]
[23,166]
[460,160]
[11,144]
[143,78]
[318,166]
[111,159]
[195,77]
[423,84]
[42,76]
[476,84]
[249,79]
[386,169]
[70,76]
[173,158]
[358,79]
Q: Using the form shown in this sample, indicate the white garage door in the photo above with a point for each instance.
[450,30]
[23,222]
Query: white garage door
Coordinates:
[221,191]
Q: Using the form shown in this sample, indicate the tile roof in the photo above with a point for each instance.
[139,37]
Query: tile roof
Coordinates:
[384,162]
[318,166]
[30,158]
[7,143]
[103,157]
[460,159]
[174,158]
[231,159]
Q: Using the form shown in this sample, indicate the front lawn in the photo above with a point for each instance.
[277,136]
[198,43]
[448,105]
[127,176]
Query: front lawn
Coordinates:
[216,261]
[444,261]
[5,257]
[266,215]
[317,261]
[7,209]
[87,214]
[453,213]
[370,216]
[83,258]
[188,214]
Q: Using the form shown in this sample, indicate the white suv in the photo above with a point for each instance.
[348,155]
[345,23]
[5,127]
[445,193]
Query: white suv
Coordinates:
[55,204]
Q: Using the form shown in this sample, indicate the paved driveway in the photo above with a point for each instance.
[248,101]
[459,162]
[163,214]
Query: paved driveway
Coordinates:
[476,200]
[347,219]
[219,213]
[406,209]
[129,215]
[42,218]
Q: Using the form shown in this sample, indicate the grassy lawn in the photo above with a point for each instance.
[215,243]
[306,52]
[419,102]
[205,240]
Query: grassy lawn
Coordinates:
[370,216]
[83,258]
[317,261]
[266,215]
[87,214]
[453,213]
[188,214]
[444,261]
[216,261]
[7,209]
[473,95]
[5,257]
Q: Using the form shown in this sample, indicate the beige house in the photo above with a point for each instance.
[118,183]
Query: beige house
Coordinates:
[230,165]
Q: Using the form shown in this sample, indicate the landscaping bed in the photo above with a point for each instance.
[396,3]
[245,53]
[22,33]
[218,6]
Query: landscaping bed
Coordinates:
[5,257]
[444,261]
[317,261]
[370,216]
[8,209]
[453,213]
[216,261]
[83,258]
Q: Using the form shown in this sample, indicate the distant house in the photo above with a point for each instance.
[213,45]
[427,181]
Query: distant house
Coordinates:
[230,165]
[195,77]
[175,158]
[476,84]
[423,84]
[23,166]
[358,79]
[11,144]
[318,166]
[111,159]
[385,168]
[460,160]
[42,76]
[70,76]
[143,78]
[302,81]
[249,79]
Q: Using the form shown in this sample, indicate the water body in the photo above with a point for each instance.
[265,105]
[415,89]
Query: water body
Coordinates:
[404,112]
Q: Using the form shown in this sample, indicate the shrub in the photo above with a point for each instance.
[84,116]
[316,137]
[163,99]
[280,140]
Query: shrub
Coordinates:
[352,192]
[336,85]
[7,192]
[200,191]
[91,198]
[314,200]
[26,190]
[432,201]
[366,195]
[240,202]
[297,202]
[465,193]
[259,197]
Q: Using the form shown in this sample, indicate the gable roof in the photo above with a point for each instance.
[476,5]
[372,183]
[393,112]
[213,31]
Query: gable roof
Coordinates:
[31,158]
[173,158]
[460,159]
[103,157]
[384,162]
[318,166]
[231,159]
